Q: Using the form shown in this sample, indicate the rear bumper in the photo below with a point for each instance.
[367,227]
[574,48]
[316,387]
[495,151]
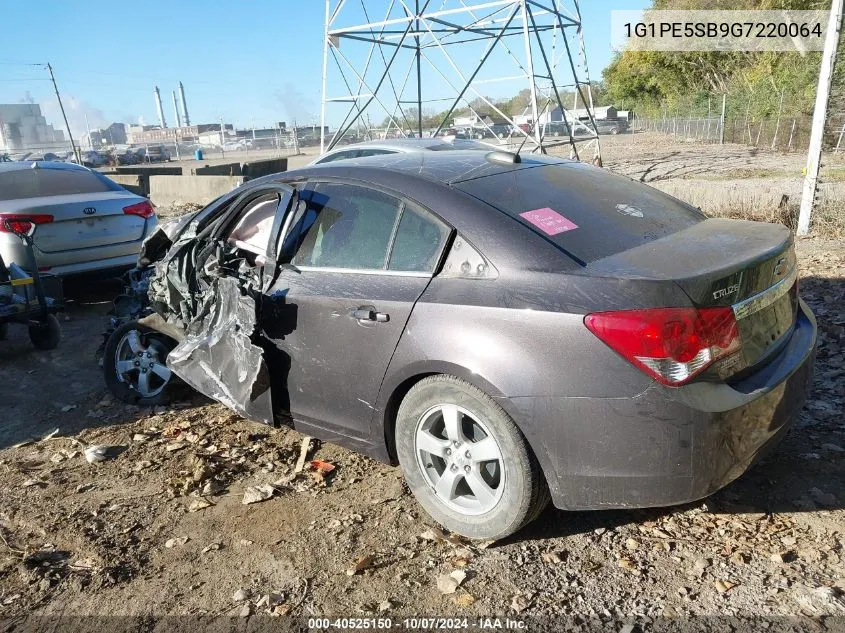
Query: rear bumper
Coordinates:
[668,446]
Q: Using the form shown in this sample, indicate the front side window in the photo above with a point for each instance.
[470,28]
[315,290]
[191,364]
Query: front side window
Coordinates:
[344,226]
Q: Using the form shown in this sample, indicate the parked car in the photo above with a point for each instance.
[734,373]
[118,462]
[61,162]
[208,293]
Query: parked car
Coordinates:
[86,222]
[398,146]
[156,154]
[90,158]
[506,329]
[611,126]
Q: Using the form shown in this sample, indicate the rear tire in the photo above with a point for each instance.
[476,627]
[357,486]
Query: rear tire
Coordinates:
[486,496]
[133,342]
[47,335]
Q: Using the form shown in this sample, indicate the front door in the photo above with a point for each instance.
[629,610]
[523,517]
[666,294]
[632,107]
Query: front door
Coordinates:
[355,261]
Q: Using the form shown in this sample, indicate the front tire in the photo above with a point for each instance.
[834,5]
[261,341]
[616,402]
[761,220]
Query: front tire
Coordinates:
[466,461]
[134,366]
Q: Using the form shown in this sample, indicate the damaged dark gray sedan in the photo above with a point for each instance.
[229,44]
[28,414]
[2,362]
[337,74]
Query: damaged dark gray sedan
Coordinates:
[508,329]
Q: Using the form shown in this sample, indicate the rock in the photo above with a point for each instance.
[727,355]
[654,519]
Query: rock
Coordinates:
[174,542]
[600,531]
[448,583]
[83,488]
[628,564]
[519,603]
[700,565]
[211,488]
[212,547]
[384,605]
[552,558]
[433,534]
[68,407]
[240,595]
[255,494]
[98,453]
[786,556]
[365,562]
[199,504]
[632,544]
[464,600]
[245,611]
[723,586]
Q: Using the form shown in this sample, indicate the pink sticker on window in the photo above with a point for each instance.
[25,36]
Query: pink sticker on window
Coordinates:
[549,221]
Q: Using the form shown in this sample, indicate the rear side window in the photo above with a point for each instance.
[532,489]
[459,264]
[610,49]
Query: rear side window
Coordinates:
[37,183]
[590,213]
[346,226]
[419,240]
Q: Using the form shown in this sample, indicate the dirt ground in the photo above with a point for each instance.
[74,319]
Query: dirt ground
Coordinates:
[161,528]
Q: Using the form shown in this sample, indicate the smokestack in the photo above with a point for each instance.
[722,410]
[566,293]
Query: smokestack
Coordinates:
[157,95]
[176,110]
[184,104]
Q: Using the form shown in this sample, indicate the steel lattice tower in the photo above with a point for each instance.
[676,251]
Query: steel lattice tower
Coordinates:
[393,60]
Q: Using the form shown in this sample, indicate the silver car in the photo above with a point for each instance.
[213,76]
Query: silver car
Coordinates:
[86,222]
[399,146]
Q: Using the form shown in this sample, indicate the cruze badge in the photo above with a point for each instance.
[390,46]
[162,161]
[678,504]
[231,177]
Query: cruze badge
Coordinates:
[725,292]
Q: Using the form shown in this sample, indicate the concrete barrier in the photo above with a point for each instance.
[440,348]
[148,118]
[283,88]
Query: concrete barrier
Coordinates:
[138,184]
[224,169]
[249,170]
[157,170]
[258,168]
[170,190]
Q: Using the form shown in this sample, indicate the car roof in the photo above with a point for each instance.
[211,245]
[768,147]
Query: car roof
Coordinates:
[19,165]
[408,144]
[442,167]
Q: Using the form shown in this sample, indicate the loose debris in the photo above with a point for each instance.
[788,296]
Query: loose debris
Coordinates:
[255,494]
[449,583]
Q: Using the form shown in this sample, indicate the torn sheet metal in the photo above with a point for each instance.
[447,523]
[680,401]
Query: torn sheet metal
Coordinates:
[204,288]
[217,356]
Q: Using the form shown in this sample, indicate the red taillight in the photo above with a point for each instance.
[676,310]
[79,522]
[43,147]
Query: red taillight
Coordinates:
[20,222]
[673,345]
[143,209]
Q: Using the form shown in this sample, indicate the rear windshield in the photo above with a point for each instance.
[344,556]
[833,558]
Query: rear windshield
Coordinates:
[588,212]
[37,183]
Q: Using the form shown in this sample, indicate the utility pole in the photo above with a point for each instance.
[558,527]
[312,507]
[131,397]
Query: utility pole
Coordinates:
[64,116]
[808,195]
[419,71]
[222,139]
[722,120]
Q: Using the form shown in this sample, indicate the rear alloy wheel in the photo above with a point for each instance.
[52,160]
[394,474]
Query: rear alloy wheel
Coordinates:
[134,365]
[452,440]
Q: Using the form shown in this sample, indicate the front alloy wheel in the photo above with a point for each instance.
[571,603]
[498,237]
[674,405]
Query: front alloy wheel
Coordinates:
[134,365]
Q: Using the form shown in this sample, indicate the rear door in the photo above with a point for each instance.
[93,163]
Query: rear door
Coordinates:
[355,261]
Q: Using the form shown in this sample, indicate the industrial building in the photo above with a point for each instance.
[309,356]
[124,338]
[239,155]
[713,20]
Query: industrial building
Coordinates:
[22,126]
[115,134]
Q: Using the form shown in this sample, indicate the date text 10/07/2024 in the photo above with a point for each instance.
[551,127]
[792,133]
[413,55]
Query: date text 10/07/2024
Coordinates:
[419,624]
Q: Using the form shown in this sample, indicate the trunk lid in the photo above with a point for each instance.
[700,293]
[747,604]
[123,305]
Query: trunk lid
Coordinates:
[81,221]
[750,266]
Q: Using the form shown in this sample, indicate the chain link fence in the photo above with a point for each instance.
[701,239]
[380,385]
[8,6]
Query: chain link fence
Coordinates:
[777,134]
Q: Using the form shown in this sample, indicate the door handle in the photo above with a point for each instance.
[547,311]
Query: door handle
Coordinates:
[368,313]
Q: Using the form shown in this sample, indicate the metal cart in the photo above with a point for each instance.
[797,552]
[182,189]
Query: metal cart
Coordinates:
[22,296]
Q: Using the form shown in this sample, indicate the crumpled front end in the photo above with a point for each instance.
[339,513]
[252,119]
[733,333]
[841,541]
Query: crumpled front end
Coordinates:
[204,288]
